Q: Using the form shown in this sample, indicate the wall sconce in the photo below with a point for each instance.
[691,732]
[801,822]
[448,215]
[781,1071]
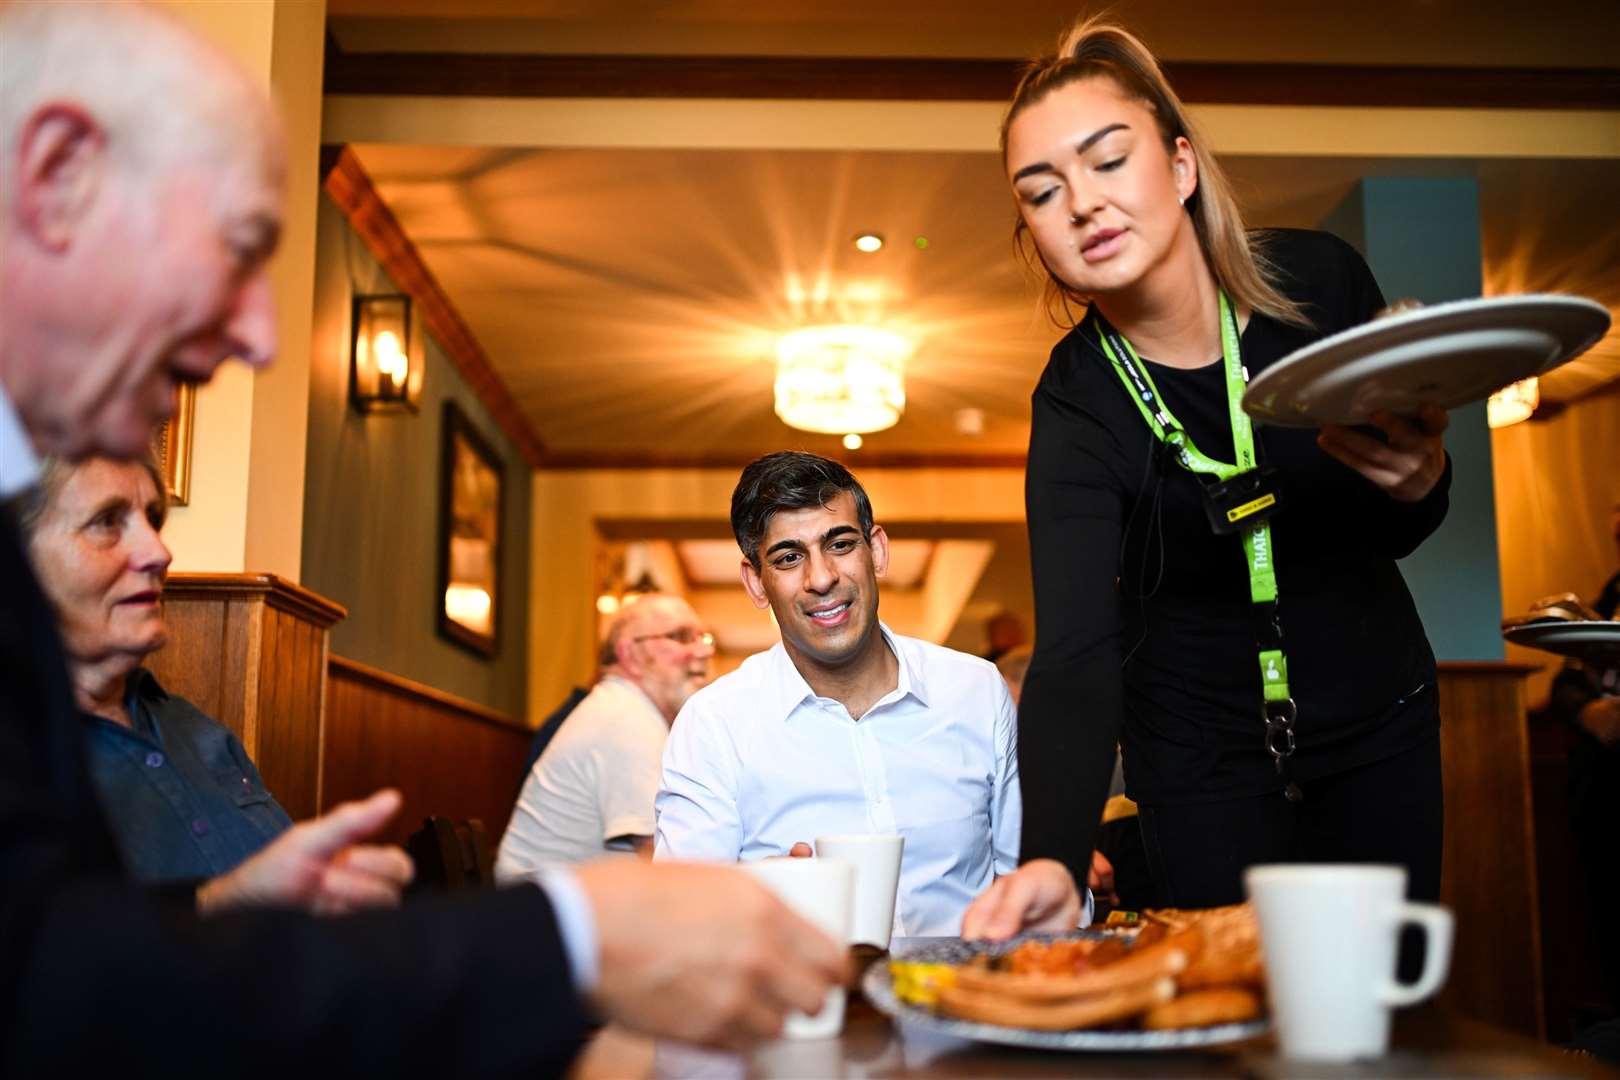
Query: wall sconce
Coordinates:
[382,374]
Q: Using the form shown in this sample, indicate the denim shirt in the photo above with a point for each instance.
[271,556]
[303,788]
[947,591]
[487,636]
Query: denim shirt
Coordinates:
[178,790]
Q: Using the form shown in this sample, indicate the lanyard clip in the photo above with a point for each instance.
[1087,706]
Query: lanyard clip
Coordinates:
[1280,717]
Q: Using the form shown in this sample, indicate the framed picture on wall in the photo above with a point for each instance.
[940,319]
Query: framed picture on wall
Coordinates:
[171,445]
[471,487]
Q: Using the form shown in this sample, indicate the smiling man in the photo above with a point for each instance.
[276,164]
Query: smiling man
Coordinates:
[845,726]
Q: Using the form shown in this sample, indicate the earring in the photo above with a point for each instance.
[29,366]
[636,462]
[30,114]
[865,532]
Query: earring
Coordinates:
[1181,200]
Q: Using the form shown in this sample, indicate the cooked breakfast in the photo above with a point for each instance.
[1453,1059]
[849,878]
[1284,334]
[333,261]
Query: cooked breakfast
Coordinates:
[1179,969]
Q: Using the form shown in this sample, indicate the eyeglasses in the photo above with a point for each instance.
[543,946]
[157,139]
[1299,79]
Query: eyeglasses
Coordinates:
[683,636]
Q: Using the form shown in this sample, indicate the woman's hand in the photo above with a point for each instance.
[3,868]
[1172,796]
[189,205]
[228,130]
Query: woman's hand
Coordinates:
[1040,895]
[321,865]
[1408,466]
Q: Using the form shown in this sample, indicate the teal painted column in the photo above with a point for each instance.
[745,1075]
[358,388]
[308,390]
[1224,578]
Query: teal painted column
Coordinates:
[1421,238]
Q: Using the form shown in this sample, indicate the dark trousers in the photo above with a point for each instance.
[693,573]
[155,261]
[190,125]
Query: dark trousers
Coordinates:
[1389,811]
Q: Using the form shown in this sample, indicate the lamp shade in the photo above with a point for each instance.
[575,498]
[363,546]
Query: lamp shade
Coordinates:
[1514,402]
[841,379]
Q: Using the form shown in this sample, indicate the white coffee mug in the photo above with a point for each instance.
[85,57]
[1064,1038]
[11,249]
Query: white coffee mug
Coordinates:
[822,891]
[876,859]
[1330,935]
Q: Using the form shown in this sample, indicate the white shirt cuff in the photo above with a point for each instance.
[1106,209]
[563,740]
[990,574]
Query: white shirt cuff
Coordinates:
[1087,910]
[575,922]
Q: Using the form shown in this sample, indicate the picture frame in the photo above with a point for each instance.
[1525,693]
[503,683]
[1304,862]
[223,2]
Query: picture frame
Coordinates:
[472,490]
[171,446]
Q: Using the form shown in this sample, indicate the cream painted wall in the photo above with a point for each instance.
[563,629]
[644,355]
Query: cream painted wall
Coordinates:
[568,504]
[248,448]
[1556,482]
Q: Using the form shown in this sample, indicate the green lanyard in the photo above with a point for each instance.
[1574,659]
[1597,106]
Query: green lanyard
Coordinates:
[1257,550]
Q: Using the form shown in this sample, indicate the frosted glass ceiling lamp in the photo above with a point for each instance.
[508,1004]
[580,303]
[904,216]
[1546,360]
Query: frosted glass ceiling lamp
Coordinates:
[839,380]
[1514,402]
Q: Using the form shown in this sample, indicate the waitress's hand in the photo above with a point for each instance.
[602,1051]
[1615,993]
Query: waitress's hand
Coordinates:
[1040,895]
[1408,466]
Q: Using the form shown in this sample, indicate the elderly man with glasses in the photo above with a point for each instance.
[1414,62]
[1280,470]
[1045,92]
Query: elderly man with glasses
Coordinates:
[593,788]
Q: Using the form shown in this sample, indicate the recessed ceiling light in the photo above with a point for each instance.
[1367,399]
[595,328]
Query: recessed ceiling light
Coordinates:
[868,242]
[852,441]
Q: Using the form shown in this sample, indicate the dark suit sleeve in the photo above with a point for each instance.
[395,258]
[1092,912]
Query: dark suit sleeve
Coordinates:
[95,972]
[1071,707]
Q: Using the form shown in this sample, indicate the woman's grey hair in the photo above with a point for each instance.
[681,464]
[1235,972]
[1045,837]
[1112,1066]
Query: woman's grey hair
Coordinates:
[54,472]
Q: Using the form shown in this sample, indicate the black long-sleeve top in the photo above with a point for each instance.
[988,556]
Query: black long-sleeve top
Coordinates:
[1144,627]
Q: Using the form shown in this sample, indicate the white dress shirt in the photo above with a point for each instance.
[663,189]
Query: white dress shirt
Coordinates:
[19,467]
[756,762]
[595,782]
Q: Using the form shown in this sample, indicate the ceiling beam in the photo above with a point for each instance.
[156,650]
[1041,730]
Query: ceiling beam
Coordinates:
[529,75]
[946,126]
[347,184]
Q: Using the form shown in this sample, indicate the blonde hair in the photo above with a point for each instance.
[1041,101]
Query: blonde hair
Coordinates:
[1092,48]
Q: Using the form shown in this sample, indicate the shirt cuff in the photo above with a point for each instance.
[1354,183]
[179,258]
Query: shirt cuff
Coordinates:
[1088,910]
[576,924]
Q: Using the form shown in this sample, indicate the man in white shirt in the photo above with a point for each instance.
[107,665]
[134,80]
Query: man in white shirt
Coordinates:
[843,727]
[592,789]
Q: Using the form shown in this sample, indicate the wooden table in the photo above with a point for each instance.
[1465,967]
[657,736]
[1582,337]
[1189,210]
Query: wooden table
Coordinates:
[1428,1042]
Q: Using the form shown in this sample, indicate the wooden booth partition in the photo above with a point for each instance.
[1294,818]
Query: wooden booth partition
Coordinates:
[1489,875]
[250,651]
[449,757]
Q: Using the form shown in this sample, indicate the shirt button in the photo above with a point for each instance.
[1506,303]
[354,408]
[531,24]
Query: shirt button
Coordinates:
[199,826]
[154,760]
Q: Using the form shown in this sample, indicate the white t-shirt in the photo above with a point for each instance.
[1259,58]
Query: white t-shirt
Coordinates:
[595,782]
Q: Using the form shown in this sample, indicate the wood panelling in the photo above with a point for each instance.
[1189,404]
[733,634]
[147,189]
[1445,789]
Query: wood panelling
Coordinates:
[448,756]
[1572,976]
[949,79]
[1489,876]
[351,189]
[250,651]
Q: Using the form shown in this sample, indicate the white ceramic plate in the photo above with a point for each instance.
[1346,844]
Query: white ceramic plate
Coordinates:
[1599,641]
[878,986]
[1450,354]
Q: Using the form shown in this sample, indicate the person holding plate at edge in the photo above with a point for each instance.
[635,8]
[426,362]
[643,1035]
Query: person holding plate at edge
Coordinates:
[1222,599]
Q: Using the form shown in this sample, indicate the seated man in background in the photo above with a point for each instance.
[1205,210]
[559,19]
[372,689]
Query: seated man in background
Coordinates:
[182,798]
[592,790]
[843,727]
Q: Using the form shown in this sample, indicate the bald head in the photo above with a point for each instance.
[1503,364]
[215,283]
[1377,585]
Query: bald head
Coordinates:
[157,89]
[663,648]
[141,196]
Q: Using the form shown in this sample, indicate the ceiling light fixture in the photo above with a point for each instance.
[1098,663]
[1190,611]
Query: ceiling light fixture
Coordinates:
[1514,402]
[840,380]
[868,242]
[853,441]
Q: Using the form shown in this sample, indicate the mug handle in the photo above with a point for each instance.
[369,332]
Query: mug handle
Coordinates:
[1437,924]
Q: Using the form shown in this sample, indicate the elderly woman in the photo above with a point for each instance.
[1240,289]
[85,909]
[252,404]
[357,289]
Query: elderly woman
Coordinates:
[180,794]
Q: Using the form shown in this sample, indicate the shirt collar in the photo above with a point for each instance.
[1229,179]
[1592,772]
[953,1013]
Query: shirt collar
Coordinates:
[19,465]
[792,691]
[621,681]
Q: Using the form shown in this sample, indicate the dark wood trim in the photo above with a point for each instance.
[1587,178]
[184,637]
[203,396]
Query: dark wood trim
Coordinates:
[1504,668]
[351,189]
[677,529]
[636,459]
[278,593]
[929,79]
[398,684]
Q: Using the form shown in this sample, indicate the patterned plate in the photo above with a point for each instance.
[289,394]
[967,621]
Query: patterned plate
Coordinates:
[879,989]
